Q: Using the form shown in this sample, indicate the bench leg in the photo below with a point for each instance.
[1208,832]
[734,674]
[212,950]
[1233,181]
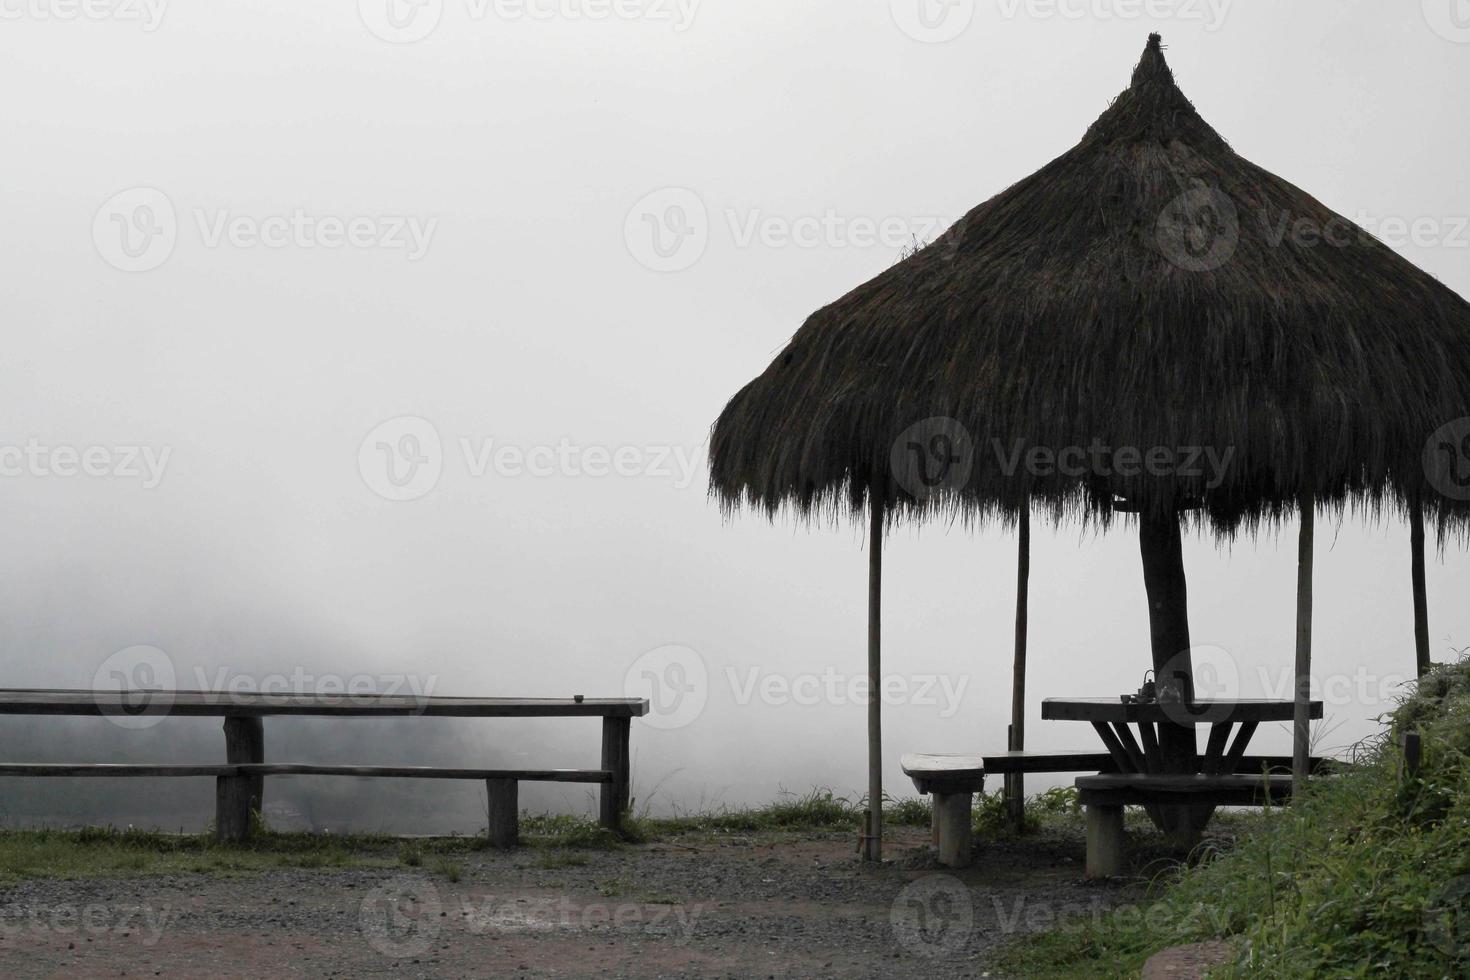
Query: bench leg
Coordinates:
[504,812]
[1104,841]
[232,807]
[614,802]
[952,815]
[245,744]
[237,797]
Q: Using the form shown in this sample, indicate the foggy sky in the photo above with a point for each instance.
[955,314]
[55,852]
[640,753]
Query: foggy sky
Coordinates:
[519,147]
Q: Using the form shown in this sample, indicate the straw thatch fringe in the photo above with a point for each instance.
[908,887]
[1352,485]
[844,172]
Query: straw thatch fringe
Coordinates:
[1148,291]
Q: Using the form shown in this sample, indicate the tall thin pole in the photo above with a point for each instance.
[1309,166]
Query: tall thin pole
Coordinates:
[873,851]
[1421,602]
[1016,786]
[1301,715]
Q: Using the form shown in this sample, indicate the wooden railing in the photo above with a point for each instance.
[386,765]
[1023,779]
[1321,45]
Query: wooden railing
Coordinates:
[240,782]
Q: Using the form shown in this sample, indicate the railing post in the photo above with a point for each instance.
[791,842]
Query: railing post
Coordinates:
[615,735]
[504,815]
[237,797]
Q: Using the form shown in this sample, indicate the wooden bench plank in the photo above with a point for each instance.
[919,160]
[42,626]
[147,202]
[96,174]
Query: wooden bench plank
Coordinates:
[1114,710]
[1234,789]
[432,772]
[47,769]
[954,773]
[110,769]
[1183,782]
[1032,762]
[259,704]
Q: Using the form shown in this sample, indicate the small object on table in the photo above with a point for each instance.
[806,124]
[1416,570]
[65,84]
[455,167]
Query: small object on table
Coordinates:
[1150,689]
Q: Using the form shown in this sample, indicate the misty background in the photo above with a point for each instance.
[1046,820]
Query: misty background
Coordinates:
[531,318]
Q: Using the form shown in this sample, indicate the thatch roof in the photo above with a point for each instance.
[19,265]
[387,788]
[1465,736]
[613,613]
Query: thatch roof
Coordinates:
[1137,291]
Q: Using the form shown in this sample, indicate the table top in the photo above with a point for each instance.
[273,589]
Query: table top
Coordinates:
[220,704]
[1207,711]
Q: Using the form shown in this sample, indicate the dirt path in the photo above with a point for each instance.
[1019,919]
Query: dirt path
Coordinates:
[800,905]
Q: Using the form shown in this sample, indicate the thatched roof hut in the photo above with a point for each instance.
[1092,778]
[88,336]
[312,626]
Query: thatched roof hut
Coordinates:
[1149,324]
[1148,289]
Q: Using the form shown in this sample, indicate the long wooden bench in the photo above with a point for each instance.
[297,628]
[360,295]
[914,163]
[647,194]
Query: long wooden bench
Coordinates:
[1105,795]
[240,782]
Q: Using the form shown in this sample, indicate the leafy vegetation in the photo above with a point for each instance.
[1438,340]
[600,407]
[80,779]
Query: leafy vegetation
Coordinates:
[1368,875]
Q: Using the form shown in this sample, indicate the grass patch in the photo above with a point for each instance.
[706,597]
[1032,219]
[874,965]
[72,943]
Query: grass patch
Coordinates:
[1368,875]
[110,852]
[448,869]
[557,860]
[817,810]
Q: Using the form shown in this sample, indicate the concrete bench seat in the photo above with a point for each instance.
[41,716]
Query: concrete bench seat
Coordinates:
[1105,795]
[954,779]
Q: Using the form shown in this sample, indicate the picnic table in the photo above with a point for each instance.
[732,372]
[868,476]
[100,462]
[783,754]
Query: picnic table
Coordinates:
[1179,794]
[1110,718]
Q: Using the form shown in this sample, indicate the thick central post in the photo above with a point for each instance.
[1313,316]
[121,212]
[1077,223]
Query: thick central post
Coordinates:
[1168,603]
[1168,619]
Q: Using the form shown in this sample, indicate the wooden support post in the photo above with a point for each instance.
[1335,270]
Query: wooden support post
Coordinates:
[244,795]
[504,816]
[1010,790]
[1015,782]
[1104,841]
[615,795]
[1301,716]
[1421,602]
[952,813]
[232,807]
[873,839]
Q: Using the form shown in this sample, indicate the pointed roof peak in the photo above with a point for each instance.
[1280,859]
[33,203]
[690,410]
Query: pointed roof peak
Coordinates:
[1152,68]
[1153,107]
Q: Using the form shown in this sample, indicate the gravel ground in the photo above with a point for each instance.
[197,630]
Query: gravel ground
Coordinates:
[789,905]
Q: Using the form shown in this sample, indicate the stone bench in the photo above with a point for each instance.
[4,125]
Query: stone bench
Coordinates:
[954,779]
